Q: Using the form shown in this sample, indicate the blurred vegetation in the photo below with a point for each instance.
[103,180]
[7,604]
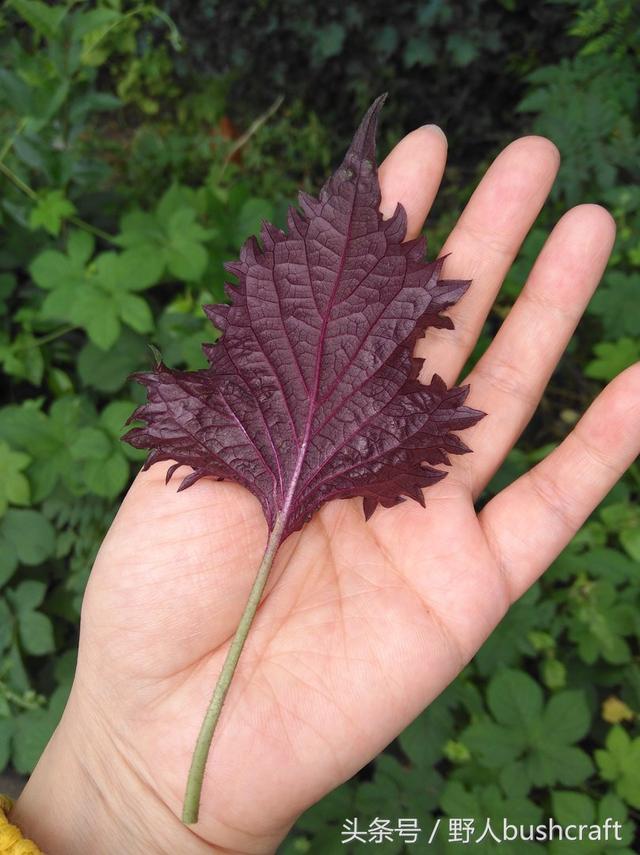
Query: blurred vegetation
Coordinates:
[229,108]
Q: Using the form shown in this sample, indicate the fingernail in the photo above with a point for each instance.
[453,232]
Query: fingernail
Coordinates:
[436,129]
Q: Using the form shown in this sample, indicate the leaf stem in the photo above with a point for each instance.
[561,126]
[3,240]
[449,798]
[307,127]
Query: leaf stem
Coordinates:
[20,184]
[44,339]
[6,148]
[254,127]
[31,193]
[191,804]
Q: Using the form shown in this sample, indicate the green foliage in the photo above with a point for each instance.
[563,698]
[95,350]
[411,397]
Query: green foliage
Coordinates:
[50,211]
[571,807]
[607,26]
[126,187]
[531,743]
[481,803]
[595,131]
[92,270]
[96,294]
[14,487]
[615,303]
[26,537]
[612,357]
[588,105]
[460,64]
[619,762]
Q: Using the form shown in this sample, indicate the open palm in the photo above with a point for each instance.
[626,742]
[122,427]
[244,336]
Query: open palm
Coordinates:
[370,621]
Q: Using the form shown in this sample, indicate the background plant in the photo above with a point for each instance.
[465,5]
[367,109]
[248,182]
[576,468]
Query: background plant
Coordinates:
[139,144]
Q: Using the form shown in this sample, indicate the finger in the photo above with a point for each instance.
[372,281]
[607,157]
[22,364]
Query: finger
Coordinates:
[533,519]
[510,378]
[484,244]
[411,174]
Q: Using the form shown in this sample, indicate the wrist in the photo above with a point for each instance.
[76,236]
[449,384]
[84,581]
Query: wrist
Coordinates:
[84,797]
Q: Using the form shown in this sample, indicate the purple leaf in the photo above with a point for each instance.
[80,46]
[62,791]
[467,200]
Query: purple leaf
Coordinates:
[311,392]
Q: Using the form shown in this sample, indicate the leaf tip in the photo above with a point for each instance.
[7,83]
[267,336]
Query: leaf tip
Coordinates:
[363,146]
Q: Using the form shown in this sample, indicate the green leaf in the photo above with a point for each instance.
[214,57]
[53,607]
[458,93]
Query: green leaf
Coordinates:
[6,735]
[515,779]
[462,50]
[567,717]
[532,745]
[612,358]
[135,312]
[65,667]
[80,246]
[8,284]
[100,321]
[139,229]
[114,416]
[95,20]
[90,443]
[616,302]
[33,730]
[44,19]
[423,741]
[620,763]
[142,266]
[15,671]
[15,92]
[180,338]
[185,259]
[23,358]
[250,218]
[60,304]
[514,698]
[554,674]
[598,623]
[571,808]
[8,560]
[109,272]
[328,42]
[172,237]
[6,627]
[554,762]
[97,297]
[457,801]
[51,269]
[29,533]
[630,539]
[107,477]
[418,51]
[611,807]
[609,564]
[495,746]
[620,515]
[176,198]
[36,633]
[26,426]
[511,638]
[47,438]
[51,209]
[129,353]
[14,487]
[28,595]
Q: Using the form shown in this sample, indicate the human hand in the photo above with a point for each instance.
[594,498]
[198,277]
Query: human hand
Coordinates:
[370,621]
